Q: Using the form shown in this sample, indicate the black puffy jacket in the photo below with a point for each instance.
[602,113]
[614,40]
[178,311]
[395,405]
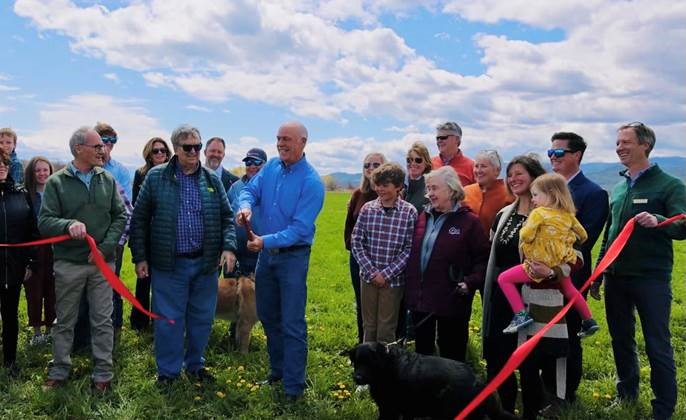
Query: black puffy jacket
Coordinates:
[17,224]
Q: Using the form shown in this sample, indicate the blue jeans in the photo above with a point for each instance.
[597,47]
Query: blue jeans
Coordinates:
[652,299]
[281,296]
[189,297]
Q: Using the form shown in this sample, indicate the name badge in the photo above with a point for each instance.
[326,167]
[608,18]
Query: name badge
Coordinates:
[640,201]
[454,231]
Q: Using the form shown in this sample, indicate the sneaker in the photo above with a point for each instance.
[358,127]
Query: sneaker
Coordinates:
[201,375]
[52,384]
[520,320]
[269,380]
[588,328]
[38,339]
[361,388]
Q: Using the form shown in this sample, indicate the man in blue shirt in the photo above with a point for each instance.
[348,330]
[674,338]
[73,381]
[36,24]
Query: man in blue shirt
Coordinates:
[290,195]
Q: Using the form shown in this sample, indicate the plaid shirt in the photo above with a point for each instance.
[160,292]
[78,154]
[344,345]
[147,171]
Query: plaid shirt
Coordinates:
[382,240]
[189,227]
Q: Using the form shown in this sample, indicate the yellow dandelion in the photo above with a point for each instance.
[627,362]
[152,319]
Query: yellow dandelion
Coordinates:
[608,396]
[254,388]
[198,384]
[341,385]
[228,381]
[241,368]
[220,394]
[240,384]
[242,381]
[198,398]
[596,395]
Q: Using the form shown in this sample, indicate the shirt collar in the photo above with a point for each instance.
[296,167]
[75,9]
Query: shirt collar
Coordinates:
[573,176]
[76,171]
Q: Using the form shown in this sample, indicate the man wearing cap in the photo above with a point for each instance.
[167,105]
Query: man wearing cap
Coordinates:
[254,160]
[291,195]
[448,139]
[215,150]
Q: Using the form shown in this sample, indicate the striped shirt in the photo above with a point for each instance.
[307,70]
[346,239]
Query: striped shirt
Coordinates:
[382,240]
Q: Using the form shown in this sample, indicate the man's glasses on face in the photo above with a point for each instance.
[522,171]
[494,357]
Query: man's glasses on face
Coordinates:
[371,165]
[97,147]
[188,147]
[161,150]
[109,139]
[558,153]
[253,162]
[442,138]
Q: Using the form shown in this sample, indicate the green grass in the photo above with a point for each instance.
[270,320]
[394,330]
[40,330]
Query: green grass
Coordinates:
[331,326]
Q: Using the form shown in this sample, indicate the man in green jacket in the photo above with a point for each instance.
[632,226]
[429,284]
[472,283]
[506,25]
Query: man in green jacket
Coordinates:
[182,231]
[80,200]
[640,277]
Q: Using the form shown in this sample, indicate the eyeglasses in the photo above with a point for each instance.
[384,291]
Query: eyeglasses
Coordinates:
[188,147]
[371,165]
[442,138]
[253,162]
[158,151]
[97,147]
[5,164]
[416,160]
[109,139]
[636,124]
[558,153]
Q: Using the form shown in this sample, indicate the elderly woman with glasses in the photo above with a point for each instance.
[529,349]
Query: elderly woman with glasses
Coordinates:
[155,152]
[447,265]
[17,225]
[489,194]
[418,164]
[360,196]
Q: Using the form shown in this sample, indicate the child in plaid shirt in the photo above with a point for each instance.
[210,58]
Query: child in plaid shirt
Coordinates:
[381,244]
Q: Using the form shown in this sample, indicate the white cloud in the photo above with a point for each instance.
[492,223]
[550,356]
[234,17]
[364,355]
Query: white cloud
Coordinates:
[198,108]
[58,120]
[111,76]
[615,62]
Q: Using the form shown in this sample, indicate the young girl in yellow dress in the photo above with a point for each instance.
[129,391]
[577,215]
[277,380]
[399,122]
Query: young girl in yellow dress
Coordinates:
[548,236]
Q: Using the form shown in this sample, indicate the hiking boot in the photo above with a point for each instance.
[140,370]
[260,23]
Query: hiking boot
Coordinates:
[201,375]
[520,320]
[588,328]
[269,380]
[52,384]
[101,387]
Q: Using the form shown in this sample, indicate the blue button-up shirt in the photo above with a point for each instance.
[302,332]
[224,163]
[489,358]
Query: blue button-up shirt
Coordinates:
[289,199]
[120,174]
[189,226]
[83,177]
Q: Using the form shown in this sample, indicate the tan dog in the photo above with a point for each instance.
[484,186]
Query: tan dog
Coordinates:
[236,302]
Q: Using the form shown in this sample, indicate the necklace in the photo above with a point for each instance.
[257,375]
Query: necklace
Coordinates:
[511,228]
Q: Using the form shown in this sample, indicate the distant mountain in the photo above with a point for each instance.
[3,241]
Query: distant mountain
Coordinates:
[605,174]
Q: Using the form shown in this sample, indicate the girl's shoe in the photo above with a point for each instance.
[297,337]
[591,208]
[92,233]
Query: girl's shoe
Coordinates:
[520,320]
[588,328]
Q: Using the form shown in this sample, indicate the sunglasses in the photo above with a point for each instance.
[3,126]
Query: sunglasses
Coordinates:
[371,165]
[442,138]
[416,160]
[188,147]
[253,162]
[558,153]
[109,139]
[158,151]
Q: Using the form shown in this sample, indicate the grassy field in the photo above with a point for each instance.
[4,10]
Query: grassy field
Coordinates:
[330,314]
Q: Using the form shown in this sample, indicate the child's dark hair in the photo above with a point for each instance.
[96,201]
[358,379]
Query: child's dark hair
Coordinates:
[389,173]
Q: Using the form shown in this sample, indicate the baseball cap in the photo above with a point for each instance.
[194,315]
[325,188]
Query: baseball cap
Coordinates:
[255,153]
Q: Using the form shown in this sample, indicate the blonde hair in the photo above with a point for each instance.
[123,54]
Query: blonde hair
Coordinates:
[555,187]
[365,183]
[420,149]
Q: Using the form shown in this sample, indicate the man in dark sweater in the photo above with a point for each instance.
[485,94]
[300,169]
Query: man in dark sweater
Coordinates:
[640,277]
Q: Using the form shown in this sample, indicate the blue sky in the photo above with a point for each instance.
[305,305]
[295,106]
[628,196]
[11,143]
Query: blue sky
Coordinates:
[362,75]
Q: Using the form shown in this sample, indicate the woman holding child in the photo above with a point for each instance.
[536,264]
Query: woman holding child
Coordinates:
[446,266]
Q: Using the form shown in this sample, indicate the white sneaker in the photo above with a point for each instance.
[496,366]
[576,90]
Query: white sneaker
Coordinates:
[361,388]
[38,339]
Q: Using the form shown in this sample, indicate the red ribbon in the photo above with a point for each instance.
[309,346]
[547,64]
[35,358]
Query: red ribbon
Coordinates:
[527,347]
[102,265]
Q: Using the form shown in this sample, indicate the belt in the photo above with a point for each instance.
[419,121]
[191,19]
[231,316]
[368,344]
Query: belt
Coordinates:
[190,255]
[277,251]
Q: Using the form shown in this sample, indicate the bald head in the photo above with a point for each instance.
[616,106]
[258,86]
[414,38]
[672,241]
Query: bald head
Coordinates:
[290,142]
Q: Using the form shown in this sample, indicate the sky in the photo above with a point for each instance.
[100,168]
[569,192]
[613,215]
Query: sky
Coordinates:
[363,76]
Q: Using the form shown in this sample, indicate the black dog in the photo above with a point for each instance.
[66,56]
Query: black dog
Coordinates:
[407,385]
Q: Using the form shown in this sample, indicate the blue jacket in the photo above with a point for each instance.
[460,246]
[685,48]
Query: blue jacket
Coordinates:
[153,224]
[16,168]
[592,206]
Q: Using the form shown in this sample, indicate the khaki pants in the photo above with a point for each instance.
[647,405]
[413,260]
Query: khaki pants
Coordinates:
[70,281]
[380,307]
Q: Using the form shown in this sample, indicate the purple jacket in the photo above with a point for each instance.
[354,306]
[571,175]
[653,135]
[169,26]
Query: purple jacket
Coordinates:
[461,244]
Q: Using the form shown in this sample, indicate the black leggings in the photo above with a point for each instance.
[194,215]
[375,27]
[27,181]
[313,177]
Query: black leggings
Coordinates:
[9,306]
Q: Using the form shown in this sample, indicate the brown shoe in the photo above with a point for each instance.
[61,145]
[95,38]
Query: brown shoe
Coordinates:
[52,384]
[102,387]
